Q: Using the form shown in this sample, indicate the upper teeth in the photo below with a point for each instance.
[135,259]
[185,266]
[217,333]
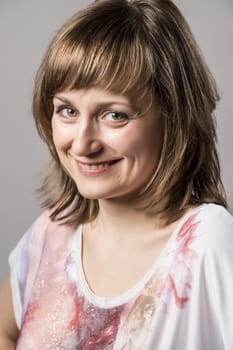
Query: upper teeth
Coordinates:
[94,166]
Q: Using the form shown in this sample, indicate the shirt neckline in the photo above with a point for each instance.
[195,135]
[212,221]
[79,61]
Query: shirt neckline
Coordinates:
[110,302]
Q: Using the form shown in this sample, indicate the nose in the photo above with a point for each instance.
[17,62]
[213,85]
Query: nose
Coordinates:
[87,140]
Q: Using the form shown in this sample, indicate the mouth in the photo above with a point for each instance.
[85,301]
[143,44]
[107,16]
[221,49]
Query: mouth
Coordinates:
[96,168]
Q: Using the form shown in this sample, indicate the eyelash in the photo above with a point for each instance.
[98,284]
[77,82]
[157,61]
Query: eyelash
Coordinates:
[123,116]
[61,109]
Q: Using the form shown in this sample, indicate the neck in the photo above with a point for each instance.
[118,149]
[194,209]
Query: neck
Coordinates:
[118,219]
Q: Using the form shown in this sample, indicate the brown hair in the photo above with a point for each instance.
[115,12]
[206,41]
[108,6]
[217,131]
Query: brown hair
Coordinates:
[136,47]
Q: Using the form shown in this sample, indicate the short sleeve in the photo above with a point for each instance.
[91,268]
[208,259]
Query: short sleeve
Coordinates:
[219,272]
[24,261]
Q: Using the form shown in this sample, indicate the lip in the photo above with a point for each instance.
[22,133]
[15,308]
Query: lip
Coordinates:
[94,169]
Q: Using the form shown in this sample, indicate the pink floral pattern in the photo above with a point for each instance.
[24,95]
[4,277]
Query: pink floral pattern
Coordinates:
[179,279]
[58,316]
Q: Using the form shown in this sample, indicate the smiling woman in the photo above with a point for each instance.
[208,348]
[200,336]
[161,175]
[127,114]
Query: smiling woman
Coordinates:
[99,134]
[135,235]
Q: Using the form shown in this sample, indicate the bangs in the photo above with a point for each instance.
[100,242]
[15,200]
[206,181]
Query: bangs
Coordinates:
[102,51]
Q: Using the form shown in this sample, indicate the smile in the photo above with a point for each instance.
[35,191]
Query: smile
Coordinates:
[96,168]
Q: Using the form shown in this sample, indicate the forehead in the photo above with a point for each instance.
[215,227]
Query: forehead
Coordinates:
[98,93]
[99,96]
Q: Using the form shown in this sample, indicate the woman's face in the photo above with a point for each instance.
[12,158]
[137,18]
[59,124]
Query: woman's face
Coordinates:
[109,153]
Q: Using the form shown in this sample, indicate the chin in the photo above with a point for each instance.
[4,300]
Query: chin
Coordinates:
[93,194]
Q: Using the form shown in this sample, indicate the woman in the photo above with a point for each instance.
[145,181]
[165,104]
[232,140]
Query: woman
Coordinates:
[134,249]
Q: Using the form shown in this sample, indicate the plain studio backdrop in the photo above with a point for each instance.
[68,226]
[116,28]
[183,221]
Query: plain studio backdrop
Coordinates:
[26,28]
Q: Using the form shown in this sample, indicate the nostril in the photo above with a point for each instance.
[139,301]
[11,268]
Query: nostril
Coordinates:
[94,153]
[84,146]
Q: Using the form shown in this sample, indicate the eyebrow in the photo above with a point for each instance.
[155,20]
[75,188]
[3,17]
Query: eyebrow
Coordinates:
[62,99]
[102,104]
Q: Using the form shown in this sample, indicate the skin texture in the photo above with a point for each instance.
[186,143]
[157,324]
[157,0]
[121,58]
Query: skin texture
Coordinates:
[90,127]
[8,328]
[90,132]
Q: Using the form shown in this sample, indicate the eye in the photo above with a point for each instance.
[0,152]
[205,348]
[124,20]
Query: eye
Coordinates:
[66,112]
[115,117]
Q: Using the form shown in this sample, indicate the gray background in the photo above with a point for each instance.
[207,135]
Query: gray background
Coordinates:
[26,28]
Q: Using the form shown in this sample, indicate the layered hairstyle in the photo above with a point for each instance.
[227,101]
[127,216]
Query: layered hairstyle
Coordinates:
[139,48]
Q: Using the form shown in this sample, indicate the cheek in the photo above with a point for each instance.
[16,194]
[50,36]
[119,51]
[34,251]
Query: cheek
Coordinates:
[124,142]
[138,142]
[61,137]
[153,139]
[145,143]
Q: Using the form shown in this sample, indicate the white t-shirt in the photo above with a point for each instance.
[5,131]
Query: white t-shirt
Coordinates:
[184,302]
